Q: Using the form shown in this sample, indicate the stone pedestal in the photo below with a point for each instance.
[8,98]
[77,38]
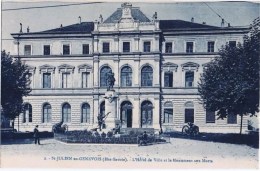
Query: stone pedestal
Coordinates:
[111,108]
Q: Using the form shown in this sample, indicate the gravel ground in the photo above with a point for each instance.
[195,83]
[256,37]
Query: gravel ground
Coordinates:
[180,153]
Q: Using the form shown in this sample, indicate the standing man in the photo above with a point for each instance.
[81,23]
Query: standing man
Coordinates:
[36,135]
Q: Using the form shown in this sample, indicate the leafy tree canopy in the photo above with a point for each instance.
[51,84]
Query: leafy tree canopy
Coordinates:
[14,85]
[230,83]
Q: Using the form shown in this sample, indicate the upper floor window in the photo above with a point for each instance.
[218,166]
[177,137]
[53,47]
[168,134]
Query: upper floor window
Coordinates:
[46,80]
[232,43]
[147,76]
[85,79]
[189,79]
[126,76]
[126,46]
[168,79]
[46,50]
[27,50]
[106,47]
[210,116]
[66,80]
[104,73]
[147,46]
[85,49]
[211,46]
[189,47]
[66,49]
[168,47]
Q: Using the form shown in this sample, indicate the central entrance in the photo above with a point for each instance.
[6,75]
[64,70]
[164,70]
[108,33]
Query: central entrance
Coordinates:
[126,114]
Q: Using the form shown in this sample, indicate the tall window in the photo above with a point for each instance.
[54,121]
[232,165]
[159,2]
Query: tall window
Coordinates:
[168,79]
[66,49]
[46,50]
[168,47]
[232,43]
[126,46]
[27,50]
[146,114]
[27,113]
[147,46]
[210,116]
[85,113]
[104,76]
[232,119]
[29,77]
[46,113]
[66,113]
[46,80]
[85,49]
[85,79]
[66,80]
[211,46]
[126,76]
[106,48]
[147,76]
[189,112]
[168,112]
[189,79]
[189,47]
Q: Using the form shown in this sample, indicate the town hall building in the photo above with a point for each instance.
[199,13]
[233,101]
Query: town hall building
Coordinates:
[156,64]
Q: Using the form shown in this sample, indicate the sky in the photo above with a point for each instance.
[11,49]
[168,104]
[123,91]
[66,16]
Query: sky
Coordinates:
[235,13]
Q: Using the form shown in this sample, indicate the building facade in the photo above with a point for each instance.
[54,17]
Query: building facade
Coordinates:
[156,65]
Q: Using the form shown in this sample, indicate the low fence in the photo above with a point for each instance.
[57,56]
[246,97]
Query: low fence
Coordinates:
[122,139]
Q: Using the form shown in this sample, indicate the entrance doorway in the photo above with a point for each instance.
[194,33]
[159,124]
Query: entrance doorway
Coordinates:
[147,114]
[126,114]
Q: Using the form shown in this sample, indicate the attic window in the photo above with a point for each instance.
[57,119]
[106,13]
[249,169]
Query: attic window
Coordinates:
[66,49]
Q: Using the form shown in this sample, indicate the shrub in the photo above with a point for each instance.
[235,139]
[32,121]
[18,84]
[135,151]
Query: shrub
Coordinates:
[109,134]
[103,135]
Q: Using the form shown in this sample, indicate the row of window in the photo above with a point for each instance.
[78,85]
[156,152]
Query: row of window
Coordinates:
[126,113]
[126,48]
[125,79]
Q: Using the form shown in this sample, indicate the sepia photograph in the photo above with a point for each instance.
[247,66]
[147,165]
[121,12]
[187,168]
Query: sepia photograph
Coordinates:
[130,85]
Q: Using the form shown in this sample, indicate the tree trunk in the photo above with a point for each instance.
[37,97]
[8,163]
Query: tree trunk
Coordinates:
[241,123]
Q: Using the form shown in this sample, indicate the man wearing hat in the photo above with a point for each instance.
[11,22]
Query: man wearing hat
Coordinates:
[36,135]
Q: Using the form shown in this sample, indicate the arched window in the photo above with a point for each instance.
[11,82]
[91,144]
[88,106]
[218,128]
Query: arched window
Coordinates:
[66,113]
[126,76]
[147,76]
[189,112]
[27,113]
[85,113]
[147,114]
[104,76]
[46,117]
[168,112]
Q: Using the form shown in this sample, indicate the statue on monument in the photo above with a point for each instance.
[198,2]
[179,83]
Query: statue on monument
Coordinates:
[110,80]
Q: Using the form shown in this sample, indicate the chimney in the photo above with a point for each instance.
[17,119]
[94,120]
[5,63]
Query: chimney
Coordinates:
[204,22]
[79,19]
[192,20]
[100,19]
[21,27]
[61,26]
[222,22]
[28,29]
[228,24]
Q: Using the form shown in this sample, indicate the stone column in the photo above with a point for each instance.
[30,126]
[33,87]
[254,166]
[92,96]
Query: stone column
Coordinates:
[136,113]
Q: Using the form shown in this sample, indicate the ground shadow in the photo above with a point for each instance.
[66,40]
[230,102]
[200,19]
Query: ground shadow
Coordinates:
[251,140]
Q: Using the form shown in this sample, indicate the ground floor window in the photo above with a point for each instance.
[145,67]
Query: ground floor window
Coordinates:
[66,113]
[27,114]
[168,116]
[46,113]
[232,119]
[189,112]
[146,114]
[85,113]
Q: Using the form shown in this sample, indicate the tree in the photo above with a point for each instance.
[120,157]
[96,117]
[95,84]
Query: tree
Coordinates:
[15,82]
[230,82]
